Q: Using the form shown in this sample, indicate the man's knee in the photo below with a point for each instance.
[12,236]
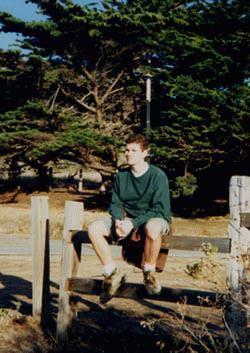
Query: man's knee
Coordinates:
[154,228]
[96,229]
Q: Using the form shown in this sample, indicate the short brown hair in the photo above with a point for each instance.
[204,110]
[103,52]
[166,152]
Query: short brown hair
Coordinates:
[140,139]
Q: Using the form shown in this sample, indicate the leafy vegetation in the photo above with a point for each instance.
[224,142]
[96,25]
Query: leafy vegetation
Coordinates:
[78,90]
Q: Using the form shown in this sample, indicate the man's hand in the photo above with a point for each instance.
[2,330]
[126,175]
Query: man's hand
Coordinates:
[123,228]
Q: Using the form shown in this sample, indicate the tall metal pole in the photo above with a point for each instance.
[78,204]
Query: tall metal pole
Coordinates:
[148,100]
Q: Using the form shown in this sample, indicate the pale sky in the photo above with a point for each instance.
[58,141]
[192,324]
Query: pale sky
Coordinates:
[26,12]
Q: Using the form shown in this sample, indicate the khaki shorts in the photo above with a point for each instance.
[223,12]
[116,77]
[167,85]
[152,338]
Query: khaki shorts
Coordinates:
[164,224]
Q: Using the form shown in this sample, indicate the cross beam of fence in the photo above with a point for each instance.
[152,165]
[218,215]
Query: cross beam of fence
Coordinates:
[192,243]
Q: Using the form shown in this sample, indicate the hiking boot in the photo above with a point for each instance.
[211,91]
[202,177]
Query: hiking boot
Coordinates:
[111,284]
[152,284]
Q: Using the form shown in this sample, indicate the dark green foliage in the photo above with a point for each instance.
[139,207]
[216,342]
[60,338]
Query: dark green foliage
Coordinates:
[198,121]
[184,186]
[34,136]
[80,90]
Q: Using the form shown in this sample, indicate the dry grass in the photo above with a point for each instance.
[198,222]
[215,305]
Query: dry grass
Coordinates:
[207,266]
[15,217]
[20,334]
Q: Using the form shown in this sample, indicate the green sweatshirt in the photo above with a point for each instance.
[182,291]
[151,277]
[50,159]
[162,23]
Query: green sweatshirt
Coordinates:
[140,198]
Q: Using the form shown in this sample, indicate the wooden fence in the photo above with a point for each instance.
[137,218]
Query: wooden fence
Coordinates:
[236,245]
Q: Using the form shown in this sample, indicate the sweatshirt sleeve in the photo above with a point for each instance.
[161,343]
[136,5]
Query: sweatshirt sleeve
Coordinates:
[160,204]
[116,205]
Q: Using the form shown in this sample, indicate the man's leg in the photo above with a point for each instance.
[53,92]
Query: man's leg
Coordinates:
[154,230]
[113,277]
[152,246]
[97,233]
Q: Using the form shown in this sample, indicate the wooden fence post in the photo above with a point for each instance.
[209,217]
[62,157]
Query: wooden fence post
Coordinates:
[239,202]
[71,255]
[40,258]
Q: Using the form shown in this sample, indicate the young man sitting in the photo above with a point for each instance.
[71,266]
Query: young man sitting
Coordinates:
[140,202]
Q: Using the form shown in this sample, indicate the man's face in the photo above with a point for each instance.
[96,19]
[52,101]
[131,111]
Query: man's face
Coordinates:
[134,154]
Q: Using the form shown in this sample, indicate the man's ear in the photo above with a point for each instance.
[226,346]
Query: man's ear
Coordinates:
[146,152]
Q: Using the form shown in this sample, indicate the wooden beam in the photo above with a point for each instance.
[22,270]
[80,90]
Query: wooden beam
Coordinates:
[138,291]
[173,242]
[245,220]
[40,258]
[237,314]
[71,257]
[194,243]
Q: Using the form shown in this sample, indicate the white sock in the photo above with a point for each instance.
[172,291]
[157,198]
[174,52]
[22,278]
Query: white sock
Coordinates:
[149,267]
[109,268]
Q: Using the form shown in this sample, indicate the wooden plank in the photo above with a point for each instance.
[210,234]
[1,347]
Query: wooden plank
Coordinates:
[239,202]
[40,258]
[246,301]
[245,220]
[71,256]
[138,291]
[244,206]
[174,242]
[235,267]
[194,243]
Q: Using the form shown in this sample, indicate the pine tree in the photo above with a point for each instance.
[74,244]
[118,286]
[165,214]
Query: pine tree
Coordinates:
[85,76]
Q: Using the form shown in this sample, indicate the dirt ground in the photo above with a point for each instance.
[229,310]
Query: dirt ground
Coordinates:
[16,274]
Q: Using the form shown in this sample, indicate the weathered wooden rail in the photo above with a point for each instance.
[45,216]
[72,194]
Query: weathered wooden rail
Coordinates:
[236,245]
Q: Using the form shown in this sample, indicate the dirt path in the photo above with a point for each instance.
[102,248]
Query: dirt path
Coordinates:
[16,276]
